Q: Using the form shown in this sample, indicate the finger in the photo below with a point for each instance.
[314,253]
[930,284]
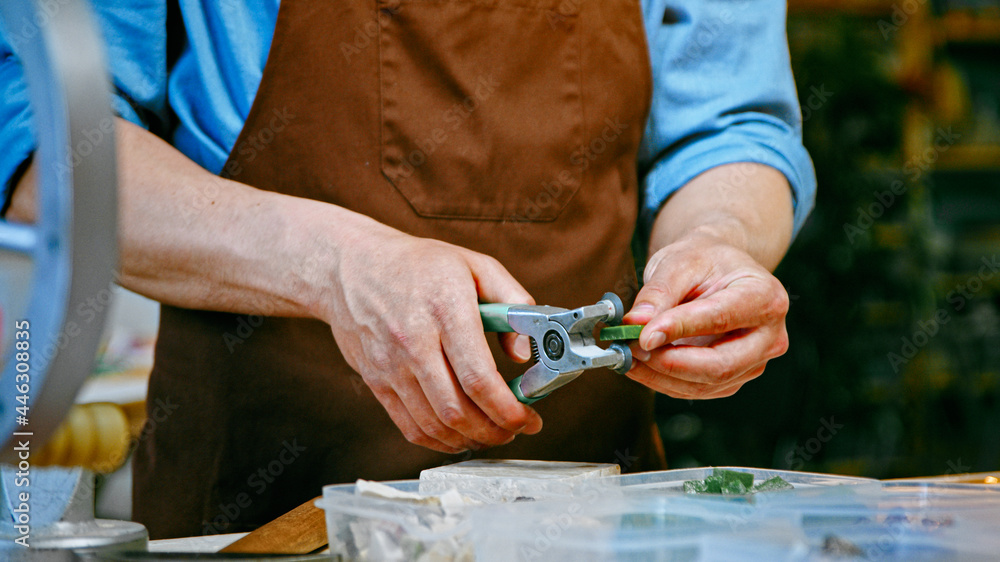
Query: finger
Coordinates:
[472,362]
[455,410]
[494,283]
[745,303]
[420,409]
[663,288]
[469,355]
[516,346]
[721,361]
[400,416]
[686,390]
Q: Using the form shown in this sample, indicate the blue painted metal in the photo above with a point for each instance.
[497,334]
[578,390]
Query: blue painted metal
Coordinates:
[73,244]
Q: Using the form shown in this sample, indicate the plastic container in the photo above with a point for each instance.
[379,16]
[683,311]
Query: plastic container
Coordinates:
[905,521]
[363,527]
[630,527]
[647,516]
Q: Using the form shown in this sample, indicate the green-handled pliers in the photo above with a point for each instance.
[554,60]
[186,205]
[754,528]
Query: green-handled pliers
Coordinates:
[562,342]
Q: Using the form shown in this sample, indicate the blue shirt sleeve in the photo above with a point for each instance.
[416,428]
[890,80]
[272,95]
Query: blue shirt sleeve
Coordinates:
[135,39]
[722,93]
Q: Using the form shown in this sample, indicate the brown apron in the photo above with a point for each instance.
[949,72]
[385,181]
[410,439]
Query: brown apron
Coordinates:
[509,127]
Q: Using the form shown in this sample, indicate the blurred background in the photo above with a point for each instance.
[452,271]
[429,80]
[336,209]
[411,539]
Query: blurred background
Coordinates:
[894,365]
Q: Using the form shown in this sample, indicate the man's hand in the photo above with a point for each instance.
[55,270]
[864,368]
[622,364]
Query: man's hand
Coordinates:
[714,314]
[404,313]
[403,310]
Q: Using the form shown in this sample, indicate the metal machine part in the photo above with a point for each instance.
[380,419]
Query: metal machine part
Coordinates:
[70,254]
[73,244]
[562,342]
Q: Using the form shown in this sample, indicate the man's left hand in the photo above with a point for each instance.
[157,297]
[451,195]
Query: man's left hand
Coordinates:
[714,317]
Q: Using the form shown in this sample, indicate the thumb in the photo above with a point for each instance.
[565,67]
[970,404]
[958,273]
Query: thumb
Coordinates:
[495,284]
[662,290]
[655,296]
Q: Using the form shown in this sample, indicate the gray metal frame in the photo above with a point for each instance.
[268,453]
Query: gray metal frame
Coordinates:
[73,244]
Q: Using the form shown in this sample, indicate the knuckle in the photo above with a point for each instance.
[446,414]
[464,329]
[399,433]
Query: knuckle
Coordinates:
[654,292]
[778,305]
[417,437]
[401,338]
[451,416]
[435,431]
[380,362]
[514,416]
[378,387]
[780,345]
[473,382]
[719,315]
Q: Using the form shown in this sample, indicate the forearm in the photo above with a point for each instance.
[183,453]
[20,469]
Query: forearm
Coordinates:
[192,239]
[747,205]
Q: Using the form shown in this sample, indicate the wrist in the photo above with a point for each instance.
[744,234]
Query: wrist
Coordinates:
[20,201]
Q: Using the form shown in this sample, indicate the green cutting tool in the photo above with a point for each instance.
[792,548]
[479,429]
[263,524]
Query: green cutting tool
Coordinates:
[562,342]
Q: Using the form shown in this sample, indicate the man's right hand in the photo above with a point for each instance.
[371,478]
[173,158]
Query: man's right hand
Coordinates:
[404,312]
[403,309]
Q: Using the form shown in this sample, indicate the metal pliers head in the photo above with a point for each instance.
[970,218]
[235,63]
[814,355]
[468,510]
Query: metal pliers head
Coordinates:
[562,342]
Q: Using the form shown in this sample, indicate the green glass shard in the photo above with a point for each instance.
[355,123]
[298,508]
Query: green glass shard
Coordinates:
[772,484]
[745,478]
[614,333]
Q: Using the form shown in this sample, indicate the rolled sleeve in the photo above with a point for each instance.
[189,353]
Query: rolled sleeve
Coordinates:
[722,93]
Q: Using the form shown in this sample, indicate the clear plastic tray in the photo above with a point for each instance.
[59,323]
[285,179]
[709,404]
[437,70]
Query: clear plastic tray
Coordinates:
[363,527]
[647,516]
[672,481]
[905,521]
[630,527]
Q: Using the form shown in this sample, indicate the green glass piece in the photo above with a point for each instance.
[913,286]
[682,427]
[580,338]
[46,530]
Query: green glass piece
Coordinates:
[734,487]
[713,485]
[695,487]
[772,484]
[614,333]
[746,478]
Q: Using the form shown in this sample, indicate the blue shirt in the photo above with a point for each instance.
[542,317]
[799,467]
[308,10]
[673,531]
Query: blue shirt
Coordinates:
[723,89]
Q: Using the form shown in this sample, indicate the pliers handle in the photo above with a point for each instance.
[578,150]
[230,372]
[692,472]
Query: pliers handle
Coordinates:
[562,342]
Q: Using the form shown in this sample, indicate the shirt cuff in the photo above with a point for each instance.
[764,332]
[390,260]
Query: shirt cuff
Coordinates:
[746,142]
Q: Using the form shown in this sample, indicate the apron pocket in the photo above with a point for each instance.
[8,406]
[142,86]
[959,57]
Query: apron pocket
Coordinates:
[481,106]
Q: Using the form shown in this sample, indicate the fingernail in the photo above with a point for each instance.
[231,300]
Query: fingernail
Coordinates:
[644,308]
[641,354]
[655,341]
[522,347]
